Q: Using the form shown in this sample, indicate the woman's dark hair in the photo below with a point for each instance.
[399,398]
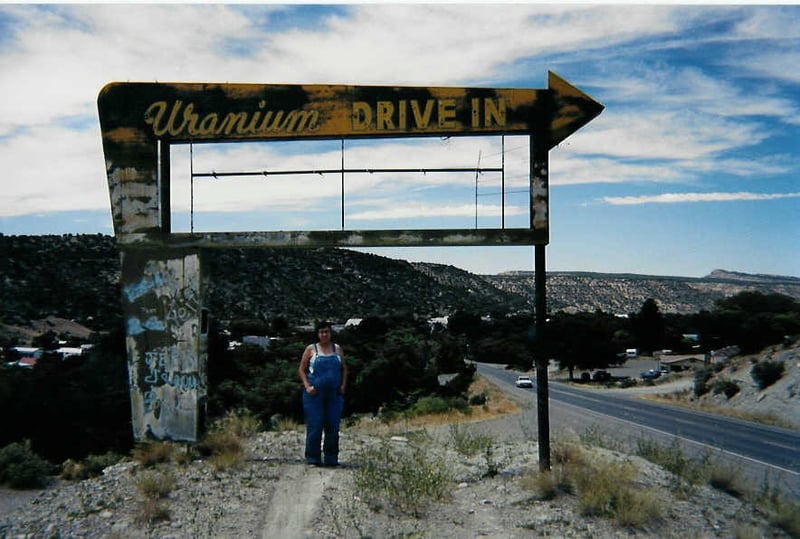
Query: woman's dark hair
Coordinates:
[323,324]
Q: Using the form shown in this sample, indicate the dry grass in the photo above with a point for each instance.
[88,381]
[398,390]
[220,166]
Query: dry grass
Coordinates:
[609,489]
[679,399]
[151,453]
[225,445]
[605,489]
[155,485]
[497,404]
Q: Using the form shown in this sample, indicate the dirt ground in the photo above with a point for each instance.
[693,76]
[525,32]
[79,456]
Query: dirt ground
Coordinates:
[275,494]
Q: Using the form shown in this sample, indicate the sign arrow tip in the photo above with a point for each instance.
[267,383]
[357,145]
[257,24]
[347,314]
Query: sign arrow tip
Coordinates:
[574,107]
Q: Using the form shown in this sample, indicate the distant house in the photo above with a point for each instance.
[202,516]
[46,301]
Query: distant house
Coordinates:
[257,340]
[27,351]
[67,352]
[353,322]
[440,320]
[681,362]
[27,362]
[723,354]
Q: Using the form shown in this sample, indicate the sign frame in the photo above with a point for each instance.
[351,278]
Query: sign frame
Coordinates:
[163,275]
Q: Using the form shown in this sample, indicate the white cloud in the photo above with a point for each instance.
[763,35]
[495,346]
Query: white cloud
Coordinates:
[675,198]
[52,169]
[414,211]
[667,124]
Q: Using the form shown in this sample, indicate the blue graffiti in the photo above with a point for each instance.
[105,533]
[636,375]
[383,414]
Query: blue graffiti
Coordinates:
[136,327]
[137,290]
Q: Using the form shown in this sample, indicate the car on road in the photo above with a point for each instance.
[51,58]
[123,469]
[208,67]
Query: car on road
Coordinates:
[601,376]
[524,381]
[652,374]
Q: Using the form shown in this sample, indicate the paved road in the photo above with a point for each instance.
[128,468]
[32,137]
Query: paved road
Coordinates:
[763,451]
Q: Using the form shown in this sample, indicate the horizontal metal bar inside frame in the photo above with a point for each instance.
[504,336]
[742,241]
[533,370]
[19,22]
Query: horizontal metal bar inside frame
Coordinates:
[218,175]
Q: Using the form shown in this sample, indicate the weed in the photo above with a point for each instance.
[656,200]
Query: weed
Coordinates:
[786,515]
[635,508]
[151,453]
[596,436]
[241,423]
[155,485]
[599,484]
[91,466]
[608,489]
[152,511]
[225,442]
[466,442]
[404,478]
[725,477]
[282,423]
[687,472]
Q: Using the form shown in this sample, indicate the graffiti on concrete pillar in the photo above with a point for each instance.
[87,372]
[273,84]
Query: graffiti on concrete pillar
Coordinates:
[166,366]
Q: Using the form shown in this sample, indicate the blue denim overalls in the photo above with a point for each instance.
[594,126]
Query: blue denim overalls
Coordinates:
[323,410]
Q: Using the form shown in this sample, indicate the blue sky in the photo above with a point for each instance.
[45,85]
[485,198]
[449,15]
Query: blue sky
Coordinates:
[692,166]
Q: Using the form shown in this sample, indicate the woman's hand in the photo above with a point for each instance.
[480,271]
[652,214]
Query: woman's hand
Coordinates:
[311,390]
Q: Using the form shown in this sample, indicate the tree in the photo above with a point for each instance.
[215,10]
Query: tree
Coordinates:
[648,326]
[754,320]
[582,341]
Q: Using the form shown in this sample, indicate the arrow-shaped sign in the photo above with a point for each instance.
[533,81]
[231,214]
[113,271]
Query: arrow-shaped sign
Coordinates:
[215,112]
[574,109]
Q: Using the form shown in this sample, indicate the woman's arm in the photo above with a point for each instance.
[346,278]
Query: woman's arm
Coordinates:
[342,387]
[301,371]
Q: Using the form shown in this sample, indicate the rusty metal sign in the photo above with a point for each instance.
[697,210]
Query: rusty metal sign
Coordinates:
[161,270]
[139,112]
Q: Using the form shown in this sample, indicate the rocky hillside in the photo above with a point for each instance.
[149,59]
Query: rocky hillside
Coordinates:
[625,293]
[76,277]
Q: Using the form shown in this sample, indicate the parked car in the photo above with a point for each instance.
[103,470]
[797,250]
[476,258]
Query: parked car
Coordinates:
[524,381]
[652,374]
[601,376]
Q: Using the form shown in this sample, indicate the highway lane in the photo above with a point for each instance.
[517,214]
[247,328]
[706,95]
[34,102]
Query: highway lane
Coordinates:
[774,448]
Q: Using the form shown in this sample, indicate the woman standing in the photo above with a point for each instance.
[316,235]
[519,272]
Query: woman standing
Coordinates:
[324,374]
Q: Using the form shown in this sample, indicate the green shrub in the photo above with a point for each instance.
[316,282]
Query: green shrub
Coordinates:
[728,387]
[701,378]
[21,468]
[766,373]
[438,405]
[478,400]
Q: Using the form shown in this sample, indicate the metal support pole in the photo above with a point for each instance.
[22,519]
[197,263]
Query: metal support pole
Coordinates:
[542,390]
[540,207]
[191,188]
[342,184]
[164,186]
